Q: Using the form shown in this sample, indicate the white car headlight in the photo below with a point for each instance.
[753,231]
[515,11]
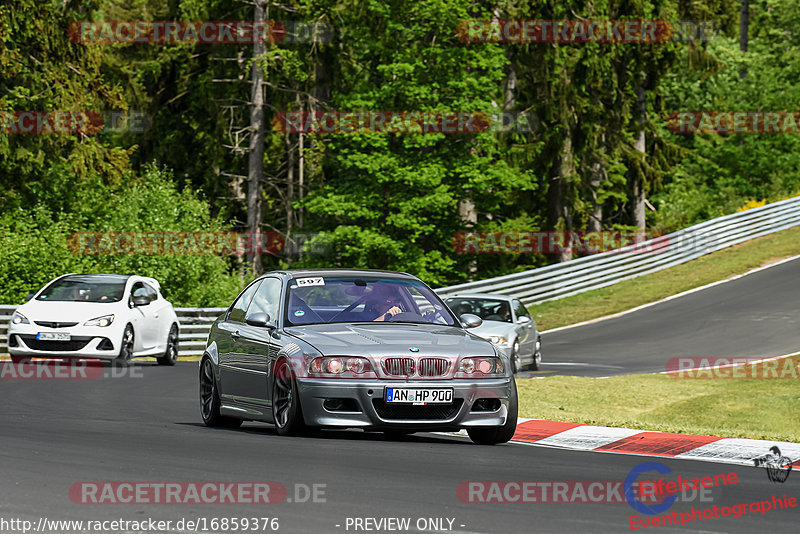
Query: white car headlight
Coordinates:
[480,367]
[497,340]
[100,321]
[18,318]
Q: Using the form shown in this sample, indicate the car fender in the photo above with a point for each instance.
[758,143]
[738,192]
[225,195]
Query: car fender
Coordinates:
[211,352]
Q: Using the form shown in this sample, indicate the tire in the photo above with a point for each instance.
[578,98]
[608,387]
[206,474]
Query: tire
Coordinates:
[209,399]
[125,347]
[170,356]
[537,355]
[500,434]
[516,366]
[286,410]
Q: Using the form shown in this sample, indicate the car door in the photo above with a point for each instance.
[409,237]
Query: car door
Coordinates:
[145,319]
[229,331]
[159,318]
[259,345]
[524,325]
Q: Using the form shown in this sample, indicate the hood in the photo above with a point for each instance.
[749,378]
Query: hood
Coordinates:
[391,339]
[39,310]
[493,328]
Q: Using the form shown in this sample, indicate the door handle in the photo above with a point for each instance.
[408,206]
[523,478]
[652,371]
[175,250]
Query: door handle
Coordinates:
[235,335]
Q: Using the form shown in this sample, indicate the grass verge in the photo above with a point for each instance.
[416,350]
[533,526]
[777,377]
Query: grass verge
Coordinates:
[652,287]
[755,408]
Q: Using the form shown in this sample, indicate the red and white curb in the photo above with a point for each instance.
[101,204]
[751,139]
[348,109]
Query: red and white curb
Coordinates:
[580,437]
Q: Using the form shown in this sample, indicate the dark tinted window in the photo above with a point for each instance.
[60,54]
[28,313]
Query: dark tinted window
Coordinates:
[520,310]
[486,309]
[267,299]
[239,308]
[85,288]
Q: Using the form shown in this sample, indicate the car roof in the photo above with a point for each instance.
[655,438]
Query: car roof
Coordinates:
[294,273]
[98,277]
[493,296]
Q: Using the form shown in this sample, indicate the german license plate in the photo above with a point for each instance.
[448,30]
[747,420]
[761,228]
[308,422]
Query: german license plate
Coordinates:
[52,336]
[419,395]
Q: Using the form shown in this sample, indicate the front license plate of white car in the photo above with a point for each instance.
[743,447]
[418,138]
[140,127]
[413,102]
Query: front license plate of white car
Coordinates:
[419,395]
[52,336]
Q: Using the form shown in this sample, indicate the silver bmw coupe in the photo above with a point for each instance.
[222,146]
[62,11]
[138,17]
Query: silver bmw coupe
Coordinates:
[377,350]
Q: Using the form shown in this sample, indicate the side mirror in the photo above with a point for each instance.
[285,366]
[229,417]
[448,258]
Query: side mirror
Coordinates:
[522,319]
[29,296]
[141,301]
[470,320]
[260,319]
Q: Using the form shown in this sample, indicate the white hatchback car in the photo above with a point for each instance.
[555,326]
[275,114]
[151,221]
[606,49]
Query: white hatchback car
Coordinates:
[105,316]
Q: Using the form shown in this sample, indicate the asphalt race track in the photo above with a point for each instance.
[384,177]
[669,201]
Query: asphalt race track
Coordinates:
[146,427]
[756,315]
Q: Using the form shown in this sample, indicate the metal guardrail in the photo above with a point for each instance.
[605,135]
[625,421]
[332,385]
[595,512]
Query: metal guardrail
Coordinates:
[195,324]
[608,268]
[562,279]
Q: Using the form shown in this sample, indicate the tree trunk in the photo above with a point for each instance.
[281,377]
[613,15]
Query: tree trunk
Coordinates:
[744,27]
[289,244]
[300,168]
[558,207]
[255,168]
[596,173]
[469,218]
[595,223]
[638,192]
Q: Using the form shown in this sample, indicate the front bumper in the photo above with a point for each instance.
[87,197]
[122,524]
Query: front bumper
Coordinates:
[85,342]
[368,409]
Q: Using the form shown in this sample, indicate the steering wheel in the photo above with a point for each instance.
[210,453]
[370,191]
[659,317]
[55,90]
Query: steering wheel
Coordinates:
[406,316]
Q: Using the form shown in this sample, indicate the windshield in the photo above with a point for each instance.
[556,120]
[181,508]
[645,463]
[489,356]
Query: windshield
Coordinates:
[85,289]
[486,309]
[314,300]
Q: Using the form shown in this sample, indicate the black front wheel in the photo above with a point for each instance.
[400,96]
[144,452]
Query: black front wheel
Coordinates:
[286,410]
[209,399]
[170,356]
[125,355]
[516,365]
[537,356]
[499,434]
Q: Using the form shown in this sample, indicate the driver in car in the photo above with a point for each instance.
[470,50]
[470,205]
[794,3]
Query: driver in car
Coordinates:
[385,301]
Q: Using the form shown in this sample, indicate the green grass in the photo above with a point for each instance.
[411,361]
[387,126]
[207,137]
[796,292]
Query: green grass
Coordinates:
[751,408]
[652,287]
[743,407]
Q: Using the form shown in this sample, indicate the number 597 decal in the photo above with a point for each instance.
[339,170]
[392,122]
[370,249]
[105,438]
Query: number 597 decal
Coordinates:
[302,282]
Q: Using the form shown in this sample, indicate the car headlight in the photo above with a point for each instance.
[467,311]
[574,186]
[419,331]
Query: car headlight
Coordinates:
[105,320]
[337,367]
[498,340]
[480,367]
[18,318]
